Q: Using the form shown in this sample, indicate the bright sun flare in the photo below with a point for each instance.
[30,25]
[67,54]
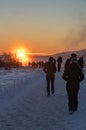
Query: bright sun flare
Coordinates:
[22,56]
[20,53]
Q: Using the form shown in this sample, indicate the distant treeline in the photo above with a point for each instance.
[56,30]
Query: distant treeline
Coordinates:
[8,61]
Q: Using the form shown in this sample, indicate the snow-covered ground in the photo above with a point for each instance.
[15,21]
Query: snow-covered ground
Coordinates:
[24,104]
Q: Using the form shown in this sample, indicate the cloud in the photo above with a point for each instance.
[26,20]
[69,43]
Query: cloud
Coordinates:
[75,39]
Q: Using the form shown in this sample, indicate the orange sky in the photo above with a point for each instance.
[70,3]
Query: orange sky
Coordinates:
[46,27]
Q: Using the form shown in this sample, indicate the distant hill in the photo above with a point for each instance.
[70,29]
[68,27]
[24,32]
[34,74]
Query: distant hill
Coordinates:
[64,55]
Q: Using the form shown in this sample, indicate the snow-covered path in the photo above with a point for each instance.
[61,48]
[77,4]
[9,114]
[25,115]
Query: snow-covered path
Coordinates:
[26,106]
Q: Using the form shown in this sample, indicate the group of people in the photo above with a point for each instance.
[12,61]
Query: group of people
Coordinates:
[72,74]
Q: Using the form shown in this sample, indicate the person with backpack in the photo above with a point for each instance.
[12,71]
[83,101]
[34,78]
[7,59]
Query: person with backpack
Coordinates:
[50,70]
[73,75]
[69,60]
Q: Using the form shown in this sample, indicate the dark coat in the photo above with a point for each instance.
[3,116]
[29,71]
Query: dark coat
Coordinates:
[73,75]
[59,60]
[81,62]
[67,63]
[49,69]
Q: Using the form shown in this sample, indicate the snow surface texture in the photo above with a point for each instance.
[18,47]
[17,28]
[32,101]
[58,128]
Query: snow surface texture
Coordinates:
[24,104]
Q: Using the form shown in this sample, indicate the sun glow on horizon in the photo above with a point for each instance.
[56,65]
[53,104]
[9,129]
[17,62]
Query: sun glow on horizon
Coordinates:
[21,55]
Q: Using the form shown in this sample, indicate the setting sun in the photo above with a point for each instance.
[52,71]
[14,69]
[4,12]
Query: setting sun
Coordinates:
[22,56]
[20,53]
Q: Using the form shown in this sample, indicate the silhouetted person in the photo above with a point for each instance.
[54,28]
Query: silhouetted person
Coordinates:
[73,75]
[50,69]
[54,61]
[81,62]
[59,62]
[69,60]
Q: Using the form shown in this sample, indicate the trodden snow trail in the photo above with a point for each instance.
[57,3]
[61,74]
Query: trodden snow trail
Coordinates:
[32,109]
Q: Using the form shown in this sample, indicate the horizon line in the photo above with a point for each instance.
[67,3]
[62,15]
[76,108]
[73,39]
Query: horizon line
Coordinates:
[44,54]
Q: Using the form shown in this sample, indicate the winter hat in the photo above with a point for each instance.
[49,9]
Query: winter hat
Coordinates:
[51,59]
[73,55]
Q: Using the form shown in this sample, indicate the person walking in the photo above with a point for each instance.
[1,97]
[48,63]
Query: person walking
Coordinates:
[59,62]
[50,69]
[81,62]
[73,75]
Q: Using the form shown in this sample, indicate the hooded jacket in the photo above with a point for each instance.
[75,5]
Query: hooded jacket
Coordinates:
[73,74]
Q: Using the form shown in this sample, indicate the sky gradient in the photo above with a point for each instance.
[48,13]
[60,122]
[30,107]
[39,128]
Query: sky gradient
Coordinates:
[43,26]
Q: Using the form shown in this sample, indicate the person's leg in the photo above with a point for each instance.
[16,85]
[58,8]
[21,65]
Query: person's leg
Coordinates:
[59,67]
[75,100]
[48,86]
[75,103]
[70,102]
[52,85]
[70,99]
